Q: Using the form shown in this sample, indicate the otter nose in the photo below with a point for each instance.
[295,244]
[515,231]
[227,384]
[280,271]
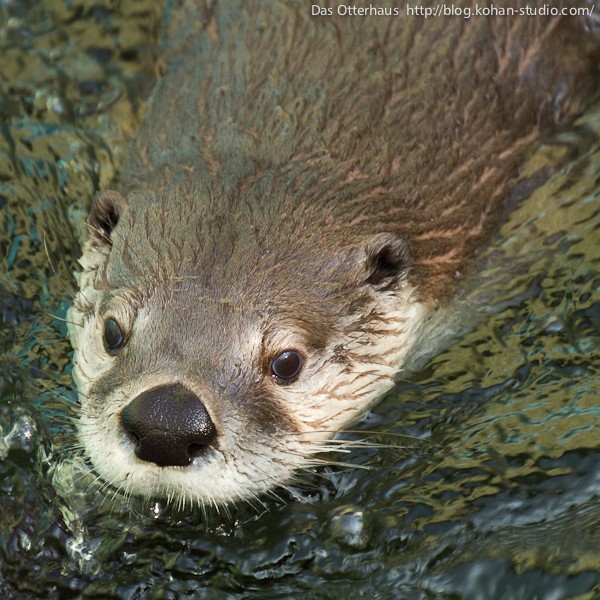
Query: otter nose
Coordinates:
[169,425]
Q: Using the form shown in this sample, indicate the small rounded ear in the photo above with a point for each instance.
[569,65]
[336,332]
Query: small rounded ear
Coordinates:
[106,210]
[387,261]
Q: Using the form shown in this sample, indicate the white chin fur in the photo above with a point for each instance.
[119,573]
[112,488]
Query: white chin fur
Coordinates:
[212,479]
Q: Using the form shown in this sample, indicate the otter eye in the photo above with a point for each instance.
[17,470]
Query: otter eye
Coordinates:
[287,365]
[113,335]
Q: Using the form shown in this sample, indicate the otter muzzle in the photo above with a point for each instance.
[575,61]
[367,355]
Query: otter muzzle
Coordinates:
[169,426]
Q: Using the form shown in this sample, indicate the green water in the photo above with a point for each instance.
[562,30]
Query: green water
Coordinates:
[483,470]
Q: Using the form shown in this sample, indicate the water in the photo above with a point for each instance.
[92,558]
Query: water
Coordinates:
[484,466]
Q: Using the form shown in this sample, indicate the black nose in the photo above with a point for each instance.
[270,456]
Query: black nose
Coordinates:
[169,425]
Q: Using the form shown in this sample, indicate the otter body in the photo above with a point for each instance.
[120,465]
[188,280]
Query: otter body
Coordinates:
[299,200]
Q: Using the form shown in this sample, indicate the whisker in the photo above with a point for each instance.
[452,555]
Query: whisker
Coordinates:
[53,268]
[62,319]
[338,463]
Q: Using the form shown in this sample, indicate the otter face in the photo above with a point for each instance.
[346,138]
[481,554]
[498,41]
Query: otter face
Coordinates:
[211,367]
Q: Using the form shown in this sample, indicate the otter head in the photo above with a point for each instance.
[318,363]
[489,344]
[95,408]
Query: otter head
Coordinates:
[214,357]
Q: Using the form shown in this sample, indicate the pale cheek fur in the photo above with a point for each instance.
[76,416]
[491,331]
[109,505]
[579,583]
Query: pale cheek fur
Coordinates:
[89,359]
[339,392]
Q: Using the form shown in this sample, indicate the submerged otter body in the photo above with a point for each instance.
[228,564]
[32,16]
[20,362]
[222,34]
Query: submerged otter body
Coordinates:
[300,198]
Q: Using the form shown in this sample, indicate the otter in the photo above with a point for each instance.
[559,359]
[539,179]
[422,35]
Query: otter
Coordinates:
[298,204]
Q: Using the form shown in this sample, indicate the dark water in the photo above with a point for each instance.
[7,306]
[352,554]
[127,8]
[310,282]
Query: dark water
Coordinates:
[483,475]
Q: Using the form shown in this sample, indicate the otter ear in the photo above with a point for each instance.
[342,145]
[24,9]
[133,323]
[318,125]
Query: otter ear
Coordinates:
[105,213]
[387,261]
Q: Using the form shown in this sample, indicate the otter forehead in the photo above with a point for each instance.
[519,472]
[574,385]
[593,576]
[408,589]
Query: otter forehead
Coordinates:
[266,251]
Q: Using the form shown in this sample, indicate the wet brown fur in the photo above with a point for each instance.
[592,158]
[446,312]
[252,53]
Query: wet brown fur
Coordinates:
[304,133]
